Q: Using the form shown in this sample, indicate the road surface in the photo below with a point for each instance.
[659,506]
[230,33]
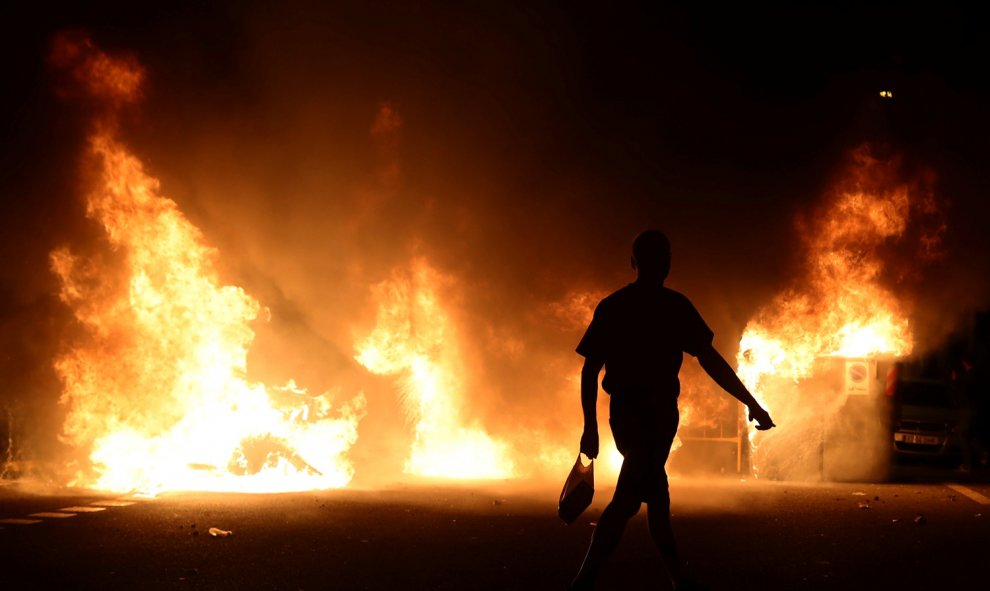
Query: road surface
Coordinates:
[928,532]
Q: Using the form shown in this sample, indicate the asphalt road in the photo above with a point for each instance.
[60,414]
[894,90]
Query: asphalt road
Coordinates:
[495,536]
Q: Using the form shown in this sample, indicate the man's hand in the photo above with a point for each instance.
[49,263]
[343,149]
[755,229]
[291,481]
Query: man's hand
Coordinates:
[589,442]
[762,418]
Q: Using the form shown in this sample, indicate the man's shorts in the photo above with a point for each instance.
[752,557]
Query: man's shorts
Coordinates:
[643,433]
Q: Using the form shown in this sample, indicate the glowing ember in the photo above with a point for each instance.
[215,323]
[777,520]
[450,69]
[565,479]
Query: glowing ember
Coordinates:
[157,387]
[841,308]
[415,338]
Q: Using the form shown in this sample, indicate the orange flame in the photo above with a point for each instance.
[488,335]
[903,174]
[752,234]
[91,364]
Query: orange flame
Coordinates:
[157,386]
[842,308]
[415,338]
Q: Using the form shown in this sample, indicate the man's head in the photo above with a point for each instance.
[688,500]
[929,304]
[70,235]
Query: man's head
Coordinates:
[651,255]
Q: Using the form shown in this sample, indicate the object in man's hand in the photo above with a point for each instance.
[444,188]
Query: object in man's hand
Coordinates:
[579,489]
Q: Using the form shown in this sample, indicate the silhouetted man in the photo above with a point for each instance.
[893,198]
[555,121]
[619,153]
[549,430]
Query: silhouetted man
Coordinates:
[639,334]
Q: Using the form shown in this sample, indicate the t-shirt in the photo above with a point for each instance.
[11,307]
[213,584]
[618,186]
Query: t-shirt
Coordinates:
[640,332]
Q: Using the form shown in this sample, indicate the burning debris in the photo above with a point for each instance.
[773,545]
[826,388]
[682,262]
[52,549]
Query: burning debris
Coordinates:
[838,319]
[156,385]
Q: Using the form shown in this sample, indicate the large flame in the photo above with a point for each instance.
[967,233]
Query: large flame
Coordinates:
[841,306]
[415,338]
[157,386]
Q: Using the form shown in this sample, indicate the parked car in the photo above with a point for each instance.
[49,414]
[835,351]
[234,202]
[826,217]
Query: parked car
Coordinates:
[925,414]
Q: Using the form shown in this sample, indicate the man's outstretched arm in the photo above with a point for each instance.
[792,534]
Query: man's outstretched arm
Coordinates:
[719,369]
[589,406]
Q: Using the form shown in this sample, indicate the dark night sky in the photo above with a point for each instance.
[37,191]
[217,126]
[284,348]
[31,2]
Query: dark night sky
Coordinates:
[537,138]
[729,113]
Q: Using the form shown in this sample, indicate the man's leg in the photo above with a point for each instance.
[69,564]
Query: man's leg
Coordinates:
[658,515]
[658,501]
[612,523]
